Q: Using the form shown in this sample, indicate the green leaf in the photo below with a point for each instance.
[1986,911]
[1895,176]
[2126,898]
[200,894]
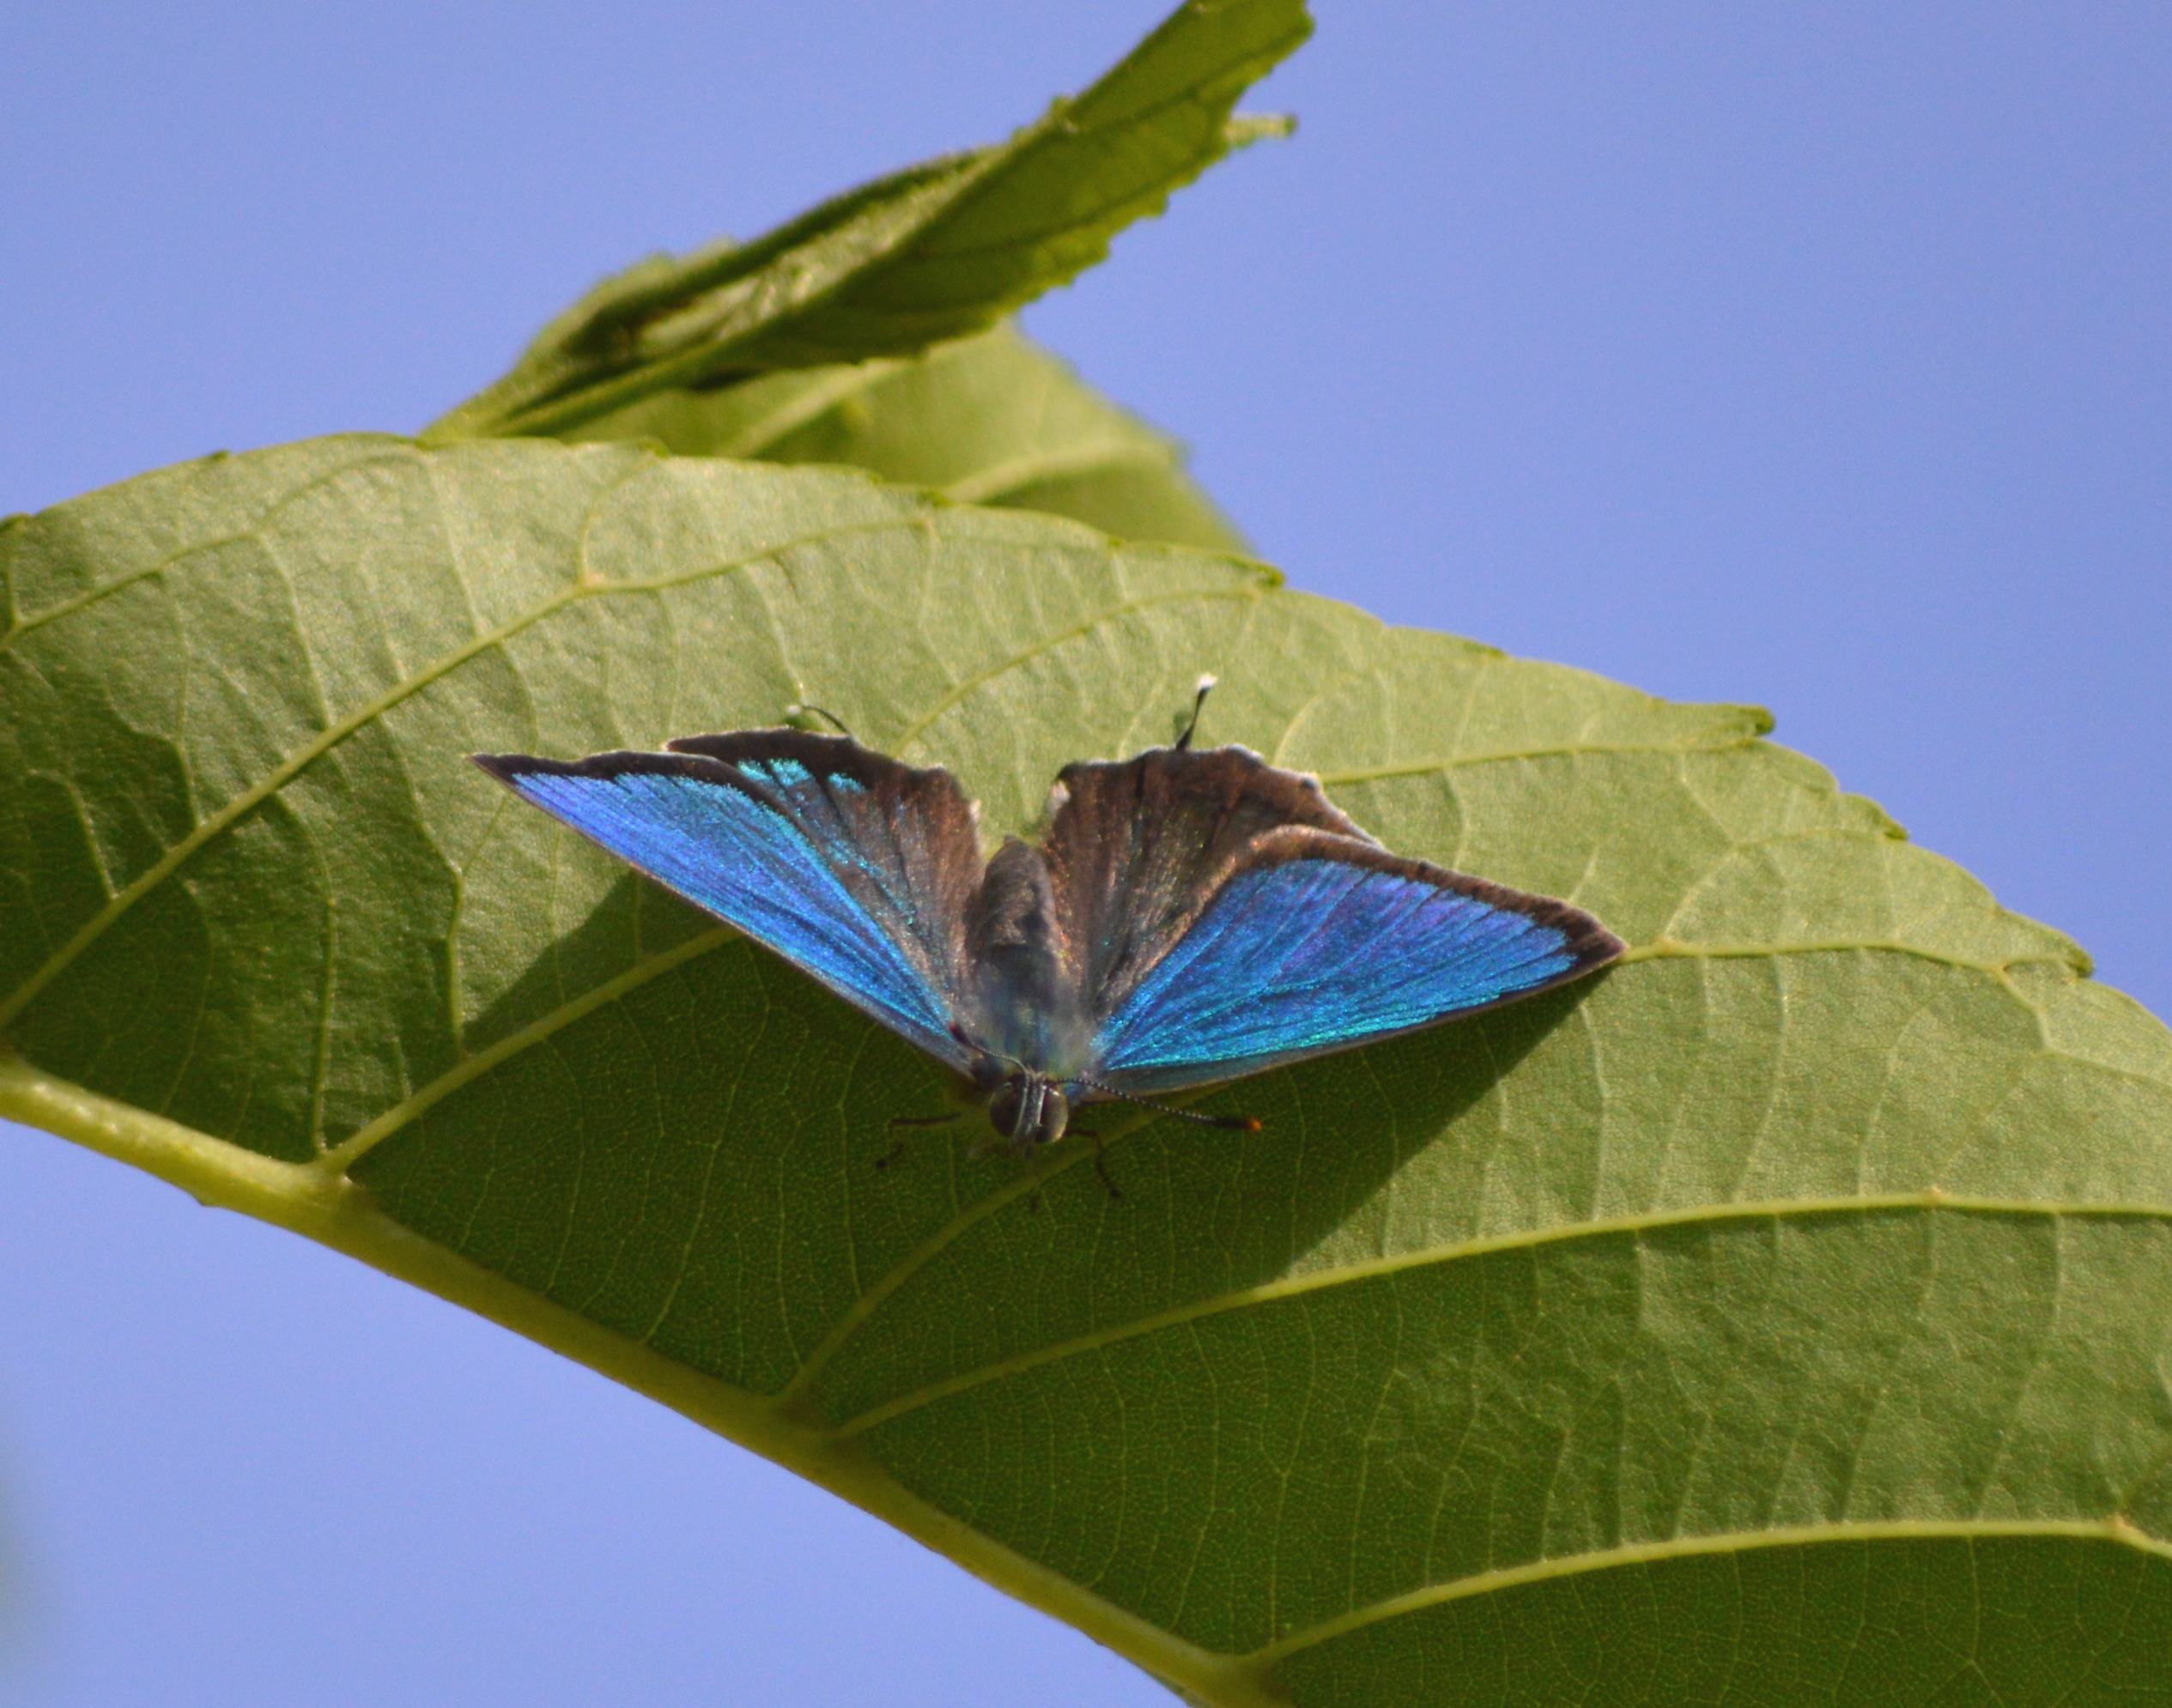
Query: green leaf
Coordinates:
[1783,1316]
[925,255]
[987,419]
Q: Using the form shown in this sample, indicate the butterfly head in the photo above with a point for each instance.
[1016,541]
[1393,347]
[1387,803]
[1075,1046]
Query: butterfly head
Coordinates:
[1029,1109]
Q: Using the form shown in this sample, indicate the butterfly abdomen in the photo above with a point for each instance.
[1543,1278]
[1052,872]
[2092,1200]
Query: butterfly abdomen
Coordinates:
[1026,996]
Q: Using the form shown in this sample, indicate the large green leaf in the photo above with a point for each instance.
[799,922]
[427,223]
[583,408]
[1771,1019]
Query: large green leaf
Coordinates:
[987,419]
[1784,1316]
[926,254]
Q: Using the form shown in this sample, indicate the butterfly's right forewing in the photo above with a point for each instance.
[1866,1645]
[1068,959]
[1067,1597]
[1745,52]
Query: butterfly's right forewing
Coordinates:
[1137,848]
[1316,942]
[1225,917]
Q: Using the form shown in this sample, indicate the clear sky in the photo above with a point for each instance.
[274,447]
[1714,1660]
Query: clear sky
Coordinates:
[1819,357]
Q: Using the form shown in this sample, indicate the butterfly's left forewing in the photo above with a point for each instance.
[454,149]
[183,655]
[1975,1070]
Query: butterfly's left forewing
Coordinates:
[1314,942]
[851,865]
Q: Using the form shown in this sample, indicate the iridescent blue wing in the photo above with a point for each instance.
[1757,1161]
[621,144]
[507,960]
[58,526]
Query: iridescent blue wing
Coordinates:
[1227,919]
[853,867]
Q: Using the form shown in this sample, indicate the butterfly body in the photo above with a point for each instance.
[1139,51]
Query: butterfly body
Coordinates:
[1192,915]
[1028,1005]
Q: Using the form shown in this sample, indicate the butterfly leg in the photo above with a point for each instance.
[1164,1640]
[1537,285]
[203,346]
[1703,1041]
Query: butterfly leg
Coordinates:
[897,1151]
[982,1149]
[1100,1162]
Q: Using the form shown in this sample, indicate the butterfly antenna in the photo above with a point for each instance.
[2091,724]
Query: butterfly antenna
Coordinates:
[1198,701]
[966,1040]
[1227,1124]
[800,708]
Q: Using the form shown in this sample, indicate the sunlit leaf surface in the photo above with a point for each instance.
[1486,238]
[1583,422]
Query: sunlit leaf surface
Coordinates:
[1783,1316]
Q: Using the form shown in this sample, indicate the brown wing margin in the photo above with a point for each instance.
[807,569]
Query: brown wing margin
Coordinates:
[1137,847]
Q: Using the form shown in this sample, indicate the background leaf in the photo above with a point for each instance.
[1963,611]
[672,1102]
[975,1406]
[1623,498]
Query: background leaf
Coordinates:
[1783,1313]
[988,420]
[930,253]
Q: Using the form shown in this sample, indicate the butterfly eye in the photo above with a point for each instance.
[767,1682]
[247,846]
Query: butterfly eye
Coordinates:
[1028,1111]
[1007,1110]
[1055,1116]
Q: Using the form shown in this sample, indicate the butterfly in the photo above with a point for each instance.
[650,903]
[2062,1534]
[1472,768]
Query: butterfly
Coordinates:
[1192,916]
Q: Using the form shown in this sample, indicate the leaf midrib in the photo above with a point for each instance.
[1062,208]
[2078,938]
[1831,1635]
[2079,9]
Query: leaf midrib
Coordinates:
[759,435]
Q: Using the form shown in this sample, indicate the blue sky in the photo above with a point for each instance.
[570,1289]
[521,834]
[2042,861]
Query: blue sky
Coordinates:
[1820,358]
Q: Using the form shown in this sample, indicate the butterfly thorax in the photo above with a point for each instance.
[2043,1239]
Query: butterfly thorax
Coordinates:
[1029,1024]
[1025,995]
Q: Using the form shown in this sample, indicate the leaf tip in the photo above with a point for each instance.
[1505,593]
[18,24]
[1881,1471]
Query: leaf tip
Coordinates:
[1241,129]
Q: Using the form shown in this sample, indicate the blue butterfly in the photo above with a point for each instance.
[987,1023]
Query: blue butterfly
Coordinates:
[1192,916]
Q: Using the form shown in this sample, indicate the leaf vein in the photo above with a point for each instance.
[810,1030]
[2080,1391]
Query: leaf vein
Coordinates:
[1733,1544]
[1780,1211]
[92,595]
[243,803]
